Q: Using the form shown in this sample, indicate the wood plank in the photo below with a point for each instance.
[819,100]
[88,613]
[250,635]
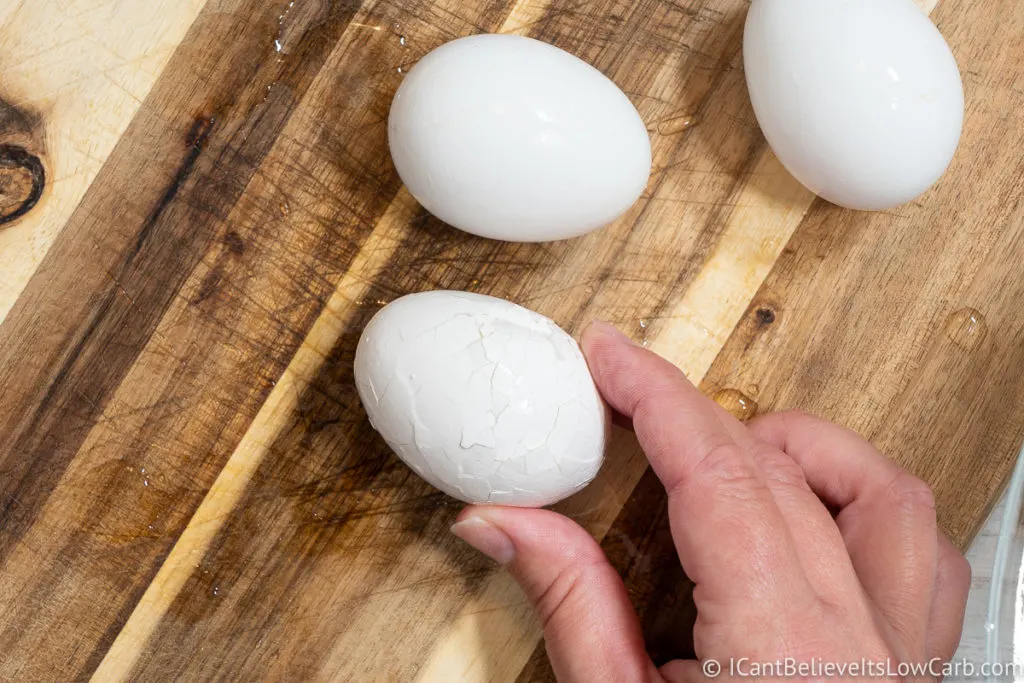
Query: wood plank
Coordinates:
[71,79]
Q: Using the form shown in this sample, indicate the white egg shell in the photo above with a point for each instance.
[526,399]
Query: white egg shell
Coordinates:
[510,138]
[486,400]
[861,101]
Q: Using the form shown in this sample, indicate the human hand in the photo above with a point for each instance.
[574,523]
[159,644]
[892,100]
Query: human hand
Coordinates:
[776,575]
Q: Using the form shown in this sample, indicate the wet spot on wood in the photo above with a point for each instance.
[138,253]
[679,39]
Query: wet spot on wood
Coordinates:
[674,125]
[738,404]
[967,328]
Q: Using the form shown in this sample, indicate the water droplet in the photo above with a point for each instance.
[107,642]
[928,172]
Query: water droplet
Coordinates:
[989,626]
[673,125]
[966,328]
[216,590]
[150,527]
[739,405]
[401,41]
[142,470]
[400,70]
[284,208]
[643,333]
[397,28]
[145,482]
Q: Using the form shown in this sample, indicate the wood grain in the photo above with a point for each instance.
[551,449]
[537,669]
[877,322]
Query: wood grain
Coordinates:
[74,75]
[191,490]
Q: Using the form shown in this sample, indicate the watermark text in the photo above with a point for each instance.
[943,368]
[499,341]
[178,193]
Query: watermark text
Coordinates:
[789,667]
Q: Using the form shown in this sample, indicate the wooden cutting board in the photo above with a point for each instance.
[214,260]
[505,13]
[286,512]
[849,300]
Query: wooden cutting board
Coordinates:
[200,215]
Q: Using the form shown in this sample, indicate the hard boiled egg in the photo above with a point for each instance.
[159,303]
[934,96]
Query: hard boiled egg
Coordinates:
[514,139]
[486,400]
[861,100]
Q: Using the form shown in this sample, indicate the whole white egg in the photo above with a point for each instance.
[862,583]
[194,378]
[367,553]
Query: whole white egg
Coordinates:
[514,139]
[860,100]
[486,400]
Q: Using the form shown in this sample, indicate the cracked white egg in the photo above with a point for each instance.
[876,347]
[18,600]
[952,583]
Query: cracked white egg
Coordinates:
[486,400]
[861,101]
[507,137]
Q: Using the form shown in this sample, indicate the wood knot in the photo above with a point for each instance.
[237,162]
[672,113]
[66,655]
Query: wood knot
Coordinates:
[234,243]
[198,132]
[765,316]
[21,182]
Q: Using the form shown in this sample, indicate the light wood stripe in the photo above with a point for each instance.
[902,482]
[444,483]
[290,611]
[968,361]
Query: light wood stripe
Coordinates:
[767,213]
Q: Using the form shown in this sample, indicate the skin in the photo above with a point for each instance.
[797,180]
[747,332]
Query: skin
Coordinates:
[777,574]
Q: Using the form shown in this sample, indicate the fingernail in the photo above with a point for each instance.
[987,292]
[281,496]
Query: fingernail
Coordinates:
[485,537]
[603,328]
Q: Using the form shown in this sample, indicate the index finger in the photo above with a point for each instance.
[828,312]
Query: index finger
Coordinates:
[730,535]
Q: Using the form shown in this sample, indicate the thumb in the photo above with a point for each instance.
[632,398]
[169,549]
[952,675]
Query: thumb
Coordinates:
[590,628]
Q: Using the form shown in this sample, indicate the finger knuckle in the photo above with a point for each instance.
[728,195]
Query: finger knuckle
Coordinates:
[729,470]
[552,599]
[912,496]
[650,403]
[780,469]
